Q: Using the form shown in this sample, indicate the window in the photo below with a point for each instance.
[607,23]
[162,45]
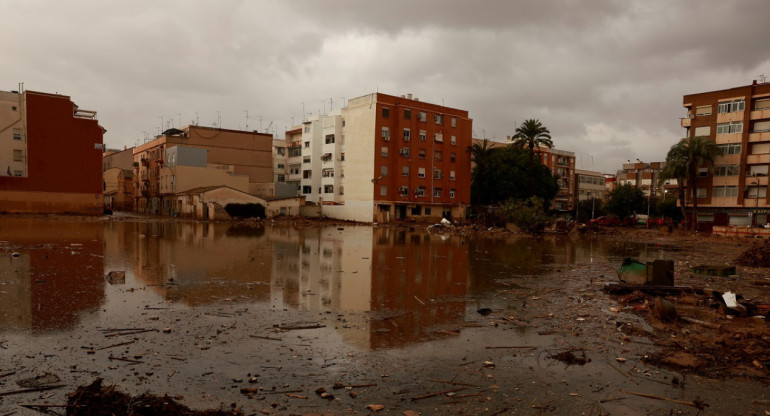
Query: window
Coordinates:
[13,108]
[385,112]
[727,128]
[759,127]
[404,152]
[438,137]
[385,134]
[704,110]
[383,190]
[701,193]
[427,210]
[306,159]
[407,114]
[451,192]
[436,173]
[416,210]
[307,145]
[423,135]
[726,170]
[732,106]
[307,129]
[763,104]
[438,118]
[17,155]
[407,135]
[327,173]
[342,190]
[328,189]
[307,189]
[383,171]
[16,134]
[18,172]
[422,116]
[280,166]
[403,190]
[454,121]
[703,172]
[755,192]
[329,138]
[281,178]
[342,157]
[384,151]
[730,149]
[437,192]
[420,172]
[307,174]
[404,170]
[437,155]
[419,191]
[452,157]
[451,175]
[724,191]
[326,157]
[453,140]
[295,151]
[421,154]
[702,131]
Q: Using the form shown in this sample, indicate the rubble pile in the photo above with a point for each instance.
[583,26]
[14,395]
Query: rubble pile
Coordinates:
[98,400]
[756,256]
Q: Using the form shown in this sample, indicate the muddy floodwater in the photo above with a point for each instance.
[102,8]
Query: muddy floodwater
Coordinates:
[259,317]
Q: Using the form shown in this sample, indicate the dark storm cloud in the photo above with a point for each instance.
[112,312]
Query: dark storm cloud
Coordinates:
[607,77]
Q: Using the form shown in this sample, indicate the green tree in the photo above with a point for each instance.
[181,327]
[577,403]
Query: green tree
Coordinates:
[683,160]
[586,207]
[504,175]
[626,200]
[667,208]
[480,154]
[529,215]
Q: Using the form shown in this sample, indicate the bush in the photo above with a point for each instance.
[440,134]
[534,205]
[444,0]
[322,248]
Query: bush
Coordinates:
[245,210]
[528,215]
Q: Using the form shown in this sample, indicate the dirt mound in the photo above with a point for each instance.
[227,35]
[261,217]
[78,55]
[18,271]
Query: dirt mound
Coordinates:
[98,400]
[756,256]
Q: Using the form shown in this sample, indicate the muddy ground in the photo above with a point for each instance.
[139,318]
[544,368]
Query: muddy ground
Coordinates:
[558,345]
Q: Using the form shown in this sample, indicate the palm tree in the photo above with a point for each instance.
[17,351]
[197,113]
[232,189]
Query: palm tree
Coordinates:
[675,169]
[686,157]
[532,134]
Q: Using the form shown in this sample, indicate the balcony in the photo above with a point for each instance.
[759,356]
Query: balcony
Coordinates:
[756,180]
[145,162]
[759,114]
[686,122]
[759,137]
[758,159]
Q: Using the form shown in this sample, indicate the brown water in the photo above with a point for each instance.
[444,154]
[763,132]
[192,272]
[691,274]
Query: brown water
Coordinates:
[395,307]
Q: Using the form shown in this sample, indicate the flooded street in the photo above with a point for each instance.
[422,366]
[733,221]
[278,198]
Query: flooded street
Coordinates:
[260,317]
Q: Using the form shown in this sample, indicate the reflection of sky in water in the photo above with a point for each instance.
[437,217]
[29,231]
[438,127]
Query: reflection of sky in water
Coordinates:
[409,280]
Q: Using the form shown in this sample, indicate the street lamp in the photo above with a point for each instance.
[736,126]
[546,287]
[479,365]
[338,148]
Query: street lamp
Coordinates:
[756,200]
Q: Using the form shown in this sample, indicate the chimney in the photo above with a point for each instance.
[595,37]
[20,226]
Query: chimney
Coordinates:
[409,96]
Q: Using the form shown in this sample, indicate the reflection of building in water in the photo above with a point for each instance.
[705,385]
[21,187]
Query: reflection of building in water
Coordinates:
[201,263]
[420,281]
[58,274]
[317,269]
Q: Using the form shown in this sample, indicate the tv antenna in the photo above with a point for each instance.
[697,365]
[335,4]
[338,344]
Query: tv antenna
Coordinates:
[762,78]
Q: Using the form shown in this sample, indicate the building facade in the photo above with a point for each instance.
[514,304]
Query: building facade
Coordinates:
[50,155]
[195,156]
[734,192]
[562,165]
[646,176]
[589,185]
[384,158]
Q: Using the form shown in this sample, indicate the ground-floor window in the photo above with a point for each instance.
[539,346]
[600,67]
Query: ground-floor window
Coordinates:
[416,211]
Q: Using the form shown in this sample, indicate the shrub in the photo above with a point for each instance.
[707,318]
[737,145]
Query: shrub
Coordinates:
[528,215]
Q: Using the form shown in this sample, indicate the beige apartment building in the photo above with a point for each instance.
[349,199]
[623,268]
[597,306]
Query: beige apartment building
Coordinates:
[13,137]
[196,156]
[589,185]
[734,192]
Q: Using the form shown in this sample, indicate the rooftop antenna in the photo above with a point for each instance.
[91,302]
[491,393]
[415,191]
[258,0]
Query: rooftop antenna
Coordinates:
[762,78]
[247,119]
[197,119]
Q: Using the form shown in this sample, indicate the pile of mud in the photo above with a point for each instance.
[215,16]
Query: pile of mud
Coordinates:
[756,256]
[98,400]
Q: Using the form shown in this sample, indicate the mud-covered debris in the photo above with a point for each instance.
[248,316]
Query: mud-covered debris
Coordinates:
[664,310]
[39,381]
[569,358]
[116,277]
[684,360]
[375,407]
[488,364]
[484,311]
[756,256]
[98,400]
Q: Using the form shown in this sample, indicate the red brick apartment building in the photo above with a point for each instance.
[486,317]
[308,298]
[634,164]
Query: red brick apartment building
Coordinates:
[738,120]
[50,155]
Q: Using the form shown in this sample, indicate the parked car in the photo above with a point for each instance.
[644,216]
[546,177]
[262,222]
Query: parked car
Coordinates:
[606,220]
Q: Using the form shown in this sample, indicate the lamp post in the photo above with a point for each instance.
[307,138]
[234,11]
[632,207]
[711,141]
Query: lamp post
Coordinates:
[756,201]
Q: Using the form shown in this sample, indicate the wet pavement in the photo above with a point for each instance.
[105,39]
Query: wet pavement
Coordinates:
[260,317]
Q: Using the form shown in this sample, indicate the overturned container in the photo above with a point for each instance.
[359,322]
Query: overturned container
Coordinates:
[657,273]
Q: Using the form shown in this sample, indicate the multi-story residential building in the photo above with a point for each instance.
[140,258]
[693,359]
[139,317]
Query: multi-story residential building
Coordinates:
[645,176]
[123,159]
[562,165]
[610,183]
[195,156]
[738,120]
[589,185]
[385,158]
[50,155]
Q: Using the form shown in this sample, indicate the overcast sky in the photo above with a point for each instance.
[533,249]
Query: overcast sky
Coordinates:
[606,77]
